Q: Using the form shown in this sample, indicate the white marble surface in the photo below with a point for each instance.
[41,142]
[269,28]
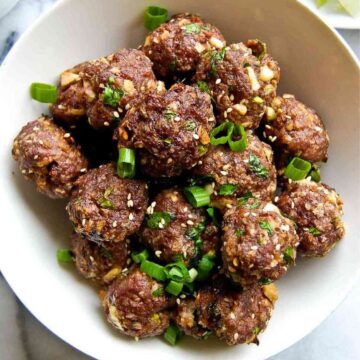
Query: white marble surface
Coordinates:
[22,337]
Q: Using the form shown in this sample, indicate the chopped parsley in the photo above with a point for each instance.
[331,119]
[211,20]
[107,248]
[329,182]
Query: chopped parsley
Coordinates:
[159,220]
[158,292]
[112,96]
[194,234]
[190,125]
[215,57]
[104,201]
[169,114]
[203,86]
[256,330]
[239,232]
[314,231]
[289,255]
[257,168]
[214,216]
[266,226]
[193,28]
[246,65]
[254,205]
[227,189]
[168,141]
[264,281]
[244,199]
[202,149]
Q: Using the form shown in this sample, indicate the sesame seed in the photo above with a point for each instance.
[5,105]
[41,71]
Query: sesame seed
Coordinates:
[36,156]
[254,248]
[183,225]
[114,224]
[106,123]
[116,114]
[131,216]
[158,253]
[276,199]
[229,110]
[223,173]
[231,97]
[136,338]
[225,114]
[185,209]
[127,106]
[229,206]
[236,336]
[162,221]
[253,316]
[218,81]
[41,142]
[153,204]
[178,301]
[83,170]
[189,222]
[277,247]
[130,203]
[183,296]
[23,171]
[268,126]
[83,222]
[196,136]
[67,135]
[264,134]
[200,162]
[35,128]
[129,196]
[161,226]
[211,119]
[177,118]
[232,316]
[190,216]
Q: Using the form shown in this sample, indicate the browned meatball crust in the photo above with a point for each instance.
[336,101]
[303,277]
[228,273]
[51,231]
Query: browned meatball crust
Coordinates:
[316,209]
[177,46]
[102,262]
[48,156]
[172,129]
[258,243]
[174,238]
[104,207]
[297,130]
[234,315]
[186,317]
[241,81]
[250,170]
[132,308]
[103,89]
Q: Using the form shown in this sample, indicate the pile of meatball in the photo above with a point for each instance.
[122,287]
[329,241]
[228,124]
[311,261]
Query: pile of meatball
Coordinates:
[163,100]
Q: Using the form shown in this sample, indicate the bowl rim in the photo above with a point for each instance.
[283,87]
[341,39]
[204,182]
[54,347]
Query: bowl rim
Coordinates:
[13,52]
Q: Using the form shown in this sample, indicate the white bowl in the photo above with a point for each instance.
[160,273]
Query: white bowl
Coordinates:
[316,66]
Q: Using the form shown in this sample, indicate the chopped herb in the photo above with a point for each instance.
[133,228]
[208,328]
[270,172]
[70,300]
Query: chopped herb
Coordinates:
[203,86]
[256,330]
[201,180]
[168,141]
[239,232]
[266,226]
[246,65]
[104,201]
[289,255]
[172,334]
[105,253]
[159,220]
[190,125]
[214,216]
[254,205]
[172,65]
[112,96]
[206,335]
[193,28]
[244,199]
[169,114]
[64,256]
[264,281]
[111,80]
[215,57]
[202,149]
[194,234]
[314,231]
[158,292]
[227,189]
[257,168]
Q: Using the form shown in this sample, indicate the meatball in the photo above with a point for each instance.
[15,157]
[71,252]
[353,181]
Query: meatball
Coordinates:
[104,207]
[251,170]
[48,156]
[132,307]
[102,262]
[177,46]
[178,228]
[317,209]
[105,88]
[241,79]
[171,129]
[236,315]
[295,129]
[258,243]
[186,317]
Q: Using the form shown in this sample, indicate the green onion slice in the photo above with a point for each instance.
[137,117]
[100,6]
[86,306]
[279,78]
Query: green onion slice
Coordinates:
[221,134]
[214,216]
[172,334]
[64,256]
[297,169]
[240,138]
[44,93]
[227,189]
[205,265]
[174,287]
[140,256]
[158,220]
[126,163]
[154,16]
[177,271]
[154,270]
[197,196]
[315,174]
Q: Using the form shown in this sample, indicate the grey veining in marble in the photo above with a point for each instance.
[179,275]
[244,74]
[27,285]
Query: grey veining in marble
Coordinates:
[22,337]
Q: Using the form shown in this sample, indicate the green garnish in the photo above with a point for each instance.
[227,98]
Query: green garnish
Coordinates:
[112,96]
[158,220]
[240,232]
[238,139]
[197,196]
[194,234]
[104,201]
[158,292]
[205,266]
[193,28]
[315,173]
[154,16]
[254,205]
[212,212]
[244,199]
[169,114]
[172,65]
[314,231]
[190,125]
[202,149]
[266,226]
[289,255]
[140,256]
[172,334]
[297,169]
[256,330]
[203,86]
[126,163]
[44,93]
[256,167]
[215,57]
[64,256]
[221,134]
[227,189]
[265,281]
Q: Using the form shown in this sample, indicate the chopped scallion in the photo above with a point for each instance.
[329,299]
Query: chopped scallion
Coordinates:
[238,139]
[64,256]
[172,334]
[227,189]
[141,256]
[221,134]
[154,16]
[126,163]
[44,93]
[197,196]
[297,169]
[154,270]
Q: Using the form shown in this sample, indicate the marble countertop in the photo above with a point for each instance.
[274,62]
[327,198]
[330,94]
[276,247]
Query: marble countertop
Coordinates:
[22,337]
